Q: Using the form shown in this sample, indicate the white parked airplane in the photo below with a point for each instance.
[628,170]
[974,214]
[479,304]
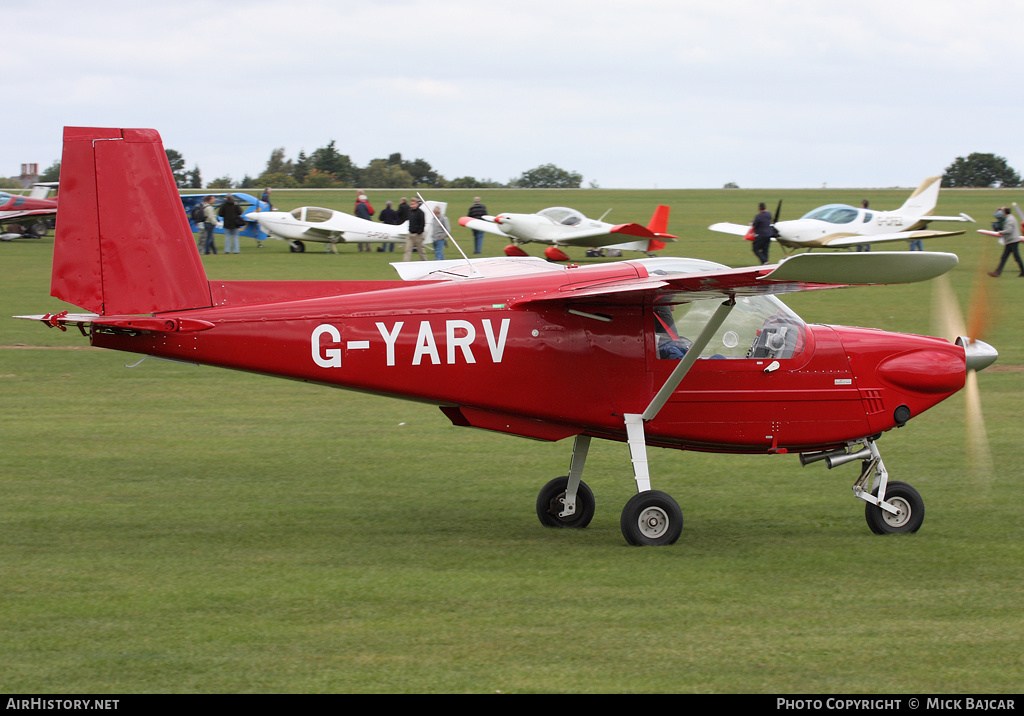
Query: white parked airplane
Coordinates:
[838,226]
[560,227]
[314,223]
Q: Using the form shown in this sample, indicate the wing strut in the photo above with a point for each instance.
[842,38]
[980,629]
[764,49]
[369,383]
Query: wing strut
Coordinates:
[635,422]
[680,371]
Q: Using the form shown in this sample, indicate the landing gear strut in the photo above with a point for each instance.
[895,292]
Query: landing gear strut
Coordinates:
[892,507]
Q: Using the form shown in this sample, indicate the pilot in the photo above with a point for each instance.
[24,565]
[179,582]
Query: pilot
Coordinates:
[417,224]
[670,346]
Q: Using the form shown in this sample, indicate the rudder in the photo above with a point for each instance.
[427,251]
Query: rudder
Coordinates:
[123,244]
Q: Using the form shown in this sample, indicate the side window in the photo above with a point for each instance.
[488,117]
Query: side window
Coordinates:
[758,327]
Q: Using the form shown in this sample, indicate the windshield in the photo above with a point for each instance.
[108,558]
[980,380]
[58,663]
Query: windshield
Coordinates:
[833,214]
[757,327]
[562,215]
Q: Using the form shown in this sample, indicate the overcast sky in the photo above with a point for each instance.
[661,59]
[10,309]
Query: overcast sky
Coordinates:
[637,94]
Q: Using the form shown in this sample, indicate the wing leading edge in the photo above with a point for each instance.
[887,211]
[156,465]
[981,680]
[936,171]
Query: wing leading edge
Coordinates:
[803,272]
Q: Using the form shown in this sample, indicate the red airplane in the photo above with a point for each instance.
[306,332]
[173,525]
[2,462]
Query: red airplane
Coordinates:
[665,352]
[14,207]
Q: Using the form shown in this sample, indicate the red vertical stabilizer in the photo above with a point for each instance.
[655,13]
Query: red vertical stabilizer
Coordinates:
[659,222]
[658,225]
[123,244]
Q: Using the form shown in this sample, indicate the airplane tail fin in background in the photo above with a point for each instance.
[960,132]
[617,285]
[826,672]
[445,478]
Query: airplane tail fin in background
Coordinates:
[658,225]
[123,244]
[659,222]
[924,198]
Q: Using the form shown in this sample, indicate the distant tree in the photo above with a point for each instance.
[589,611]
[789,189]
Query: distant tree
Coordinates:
[277,164]
[316,179]
[246,181]
[300,170]
[422,173]
[548,176]
[380,173]
[223,182]
[731,185]
[473,183]
[281,181]
[980,170]
[193,179]
[51,174]
[328,159]
[177,163]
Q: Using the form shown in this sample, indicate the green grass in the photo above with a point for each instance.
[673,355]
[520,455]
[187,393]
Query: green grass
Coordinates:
[169,528]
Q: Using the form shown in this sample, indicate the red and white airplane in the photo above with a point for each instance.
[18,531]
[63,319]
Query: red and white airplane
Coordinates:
[664,352]
[561,227]
[15,209]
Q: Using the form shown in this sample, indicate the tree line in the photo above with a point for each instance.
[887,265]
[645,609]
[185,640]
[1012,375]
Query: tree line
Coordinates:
[326,167]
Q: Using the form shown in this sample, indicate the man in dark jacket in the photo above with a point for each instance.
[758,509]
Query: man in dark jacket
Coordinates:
[763,232]
[231,212]
[417,225]
[389,216]
[477,211]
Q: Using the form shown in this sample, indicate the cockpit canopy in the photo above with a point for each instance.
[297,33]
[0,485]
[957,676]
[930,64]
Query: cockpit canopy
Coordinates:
[562,215]
[312,214]
[834,214]
[757,327]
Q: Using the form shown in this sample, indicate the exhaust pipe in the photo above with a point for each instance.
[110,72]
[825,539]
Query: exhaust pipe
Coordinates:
[806,458]
[834,460]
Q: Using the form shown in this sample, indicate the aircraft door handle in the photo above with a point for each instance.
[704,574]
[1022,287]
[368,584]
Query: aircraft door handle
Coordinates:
[772,367]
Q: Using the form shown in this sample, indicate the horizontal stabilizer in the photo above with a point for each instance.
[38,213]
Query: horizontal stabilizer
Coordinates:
[727,228]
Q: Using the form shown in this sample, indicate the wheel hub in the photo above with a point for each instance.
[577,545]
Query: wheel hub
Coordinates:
[653,522]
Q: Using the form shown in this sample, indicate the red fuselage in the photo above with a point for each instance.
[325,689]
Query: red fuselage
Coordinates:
[541,371]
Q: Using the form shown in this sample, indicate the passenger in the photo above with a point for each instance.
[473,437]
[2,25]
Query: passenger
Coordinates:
[441,230]
[209,224]
[475,212]
[231,213]
[867,247]
[417,224]
[1010,239]
[388,216]
[363,211]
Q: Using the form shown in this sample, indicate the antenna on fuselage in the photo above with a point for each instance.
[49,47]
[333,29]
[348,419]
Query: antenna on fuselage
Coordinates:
[423,202]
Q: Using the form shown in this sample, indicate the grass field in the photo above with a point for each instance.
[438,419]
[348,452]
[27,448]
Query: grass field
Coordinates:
[177,529]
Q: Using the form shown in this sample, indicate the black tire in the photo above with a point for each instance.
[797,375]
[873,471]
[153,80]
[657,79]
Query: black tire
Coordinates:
[911,506]
[40,229]
[296,247]
[549,504]
[651,518]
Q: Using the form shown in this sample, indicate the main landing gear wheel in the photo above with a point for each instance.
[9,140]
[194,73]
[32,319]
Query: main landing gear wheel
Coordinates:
[651,518]
[551,502]
[296,247]
[907,500]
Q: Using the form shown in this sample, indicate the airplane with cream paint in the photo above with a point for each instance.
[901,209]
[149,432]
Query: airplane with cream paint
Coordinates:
[839,226]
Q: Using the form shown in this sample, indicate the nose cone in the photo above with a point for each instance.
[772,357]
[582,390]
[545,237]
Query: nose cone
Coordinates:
[980,355]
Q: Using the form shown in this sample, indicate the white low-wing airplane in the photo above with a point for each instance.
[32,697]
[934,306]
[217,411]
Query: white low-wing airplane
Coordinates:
[314,223]
[838,226]
[560,226]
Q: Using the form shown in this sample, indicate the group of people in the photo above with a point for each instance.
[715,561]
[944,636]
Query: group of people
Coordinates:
[230,213]
[412,210]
